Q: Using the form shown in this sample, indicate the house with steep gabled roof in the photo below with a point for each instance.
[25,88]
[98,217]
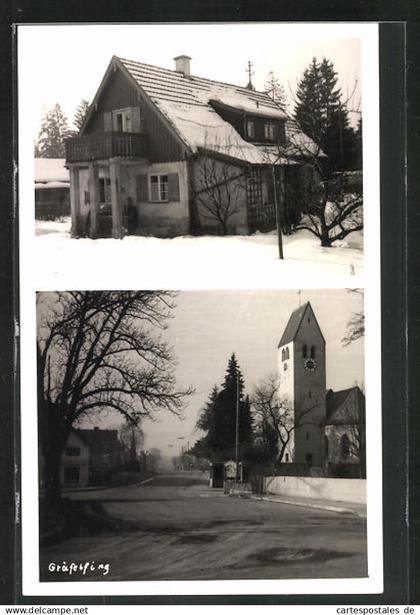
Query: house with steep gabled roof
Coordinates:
[164,152]
[329,425]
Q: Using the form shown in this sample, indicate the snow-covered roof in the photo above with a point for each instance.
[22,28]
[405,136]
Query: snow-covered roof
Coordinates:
[51,170]
[185,103]
[48,185]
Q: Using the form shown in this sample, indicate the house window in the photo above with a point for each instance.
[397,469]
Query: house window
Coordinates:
[72,451]
[158,188]
[104,190]
[269,132]
[250,129]
[122,120]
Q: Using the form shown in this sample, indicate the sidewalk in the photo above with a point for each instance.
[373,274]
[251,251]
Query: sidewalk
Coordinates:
[330,505]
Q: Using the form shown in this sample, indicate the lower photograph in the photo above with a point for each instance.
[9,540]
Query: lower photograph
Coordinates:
[201,435]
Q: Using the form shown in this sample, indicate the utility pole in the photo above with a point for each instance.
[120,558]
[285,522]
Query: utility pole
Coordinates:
[278,212]
[237,429]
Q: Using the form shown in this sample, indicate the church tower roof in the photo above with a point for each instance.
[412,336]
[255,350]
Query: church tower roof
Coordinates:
[293,325]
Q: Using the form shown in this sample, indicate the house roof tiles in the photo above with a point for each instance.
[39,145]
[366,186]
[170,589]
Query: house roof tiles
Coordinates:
[185,103]
[337,413]
[100,441]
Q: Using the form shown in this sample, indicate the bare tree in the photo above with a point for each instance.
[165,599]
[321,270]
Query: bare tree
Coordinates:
[131,437]
[219,191]
[275,90]
[321,140]
[99,351]
[329,211]
[274,415]
[356,324]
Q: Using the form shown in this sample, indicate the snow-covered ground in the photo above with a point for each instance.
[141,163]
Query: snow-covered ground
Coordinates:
[202,262]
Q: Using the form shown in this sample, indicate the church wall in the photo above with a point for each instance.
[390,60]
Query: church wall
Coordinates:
[287,390]
[347,490]
[310,393]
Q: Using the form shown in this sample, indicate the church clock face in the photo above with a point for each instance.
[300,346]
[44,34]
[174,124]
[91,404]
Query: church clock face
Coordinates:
[310,365]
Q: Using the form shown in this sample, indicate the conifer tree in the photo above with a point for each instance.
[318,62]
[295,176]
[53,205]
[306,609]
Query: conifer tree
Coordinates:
[81,111]
[218,417]
[54,129]
[323,116]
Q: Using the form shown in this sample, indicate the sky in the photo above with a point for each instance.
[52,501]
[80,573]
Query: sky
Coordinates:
[66,63]
[209,325]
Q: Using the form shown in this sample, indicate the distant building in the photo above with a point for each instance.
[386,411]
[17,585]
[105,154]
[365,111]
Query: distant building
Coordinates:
[90,456]
[345,436]
[74,466]
[331,424]
[52,188]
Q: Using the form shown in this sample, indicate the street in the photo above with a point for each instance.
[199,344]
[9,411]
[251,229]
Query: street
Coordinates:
[174,527]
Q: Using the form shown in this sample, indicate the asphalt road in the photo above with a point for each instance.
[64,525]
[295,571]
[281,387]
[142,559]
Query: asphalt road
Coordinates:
[176,528]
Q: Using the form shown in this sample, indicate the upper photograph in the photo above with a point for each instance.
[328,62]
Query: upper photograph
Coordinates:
[239,143]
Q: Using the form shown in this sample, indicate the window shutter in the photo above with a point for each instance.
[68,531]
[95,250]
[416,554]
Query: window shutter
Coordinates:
[142,188]
[107,122]
[173,186]
[135,119]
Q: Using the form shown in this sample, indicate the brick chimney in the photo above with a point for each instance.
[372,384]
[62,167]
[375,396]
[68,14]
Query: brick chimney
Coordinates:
[182,65]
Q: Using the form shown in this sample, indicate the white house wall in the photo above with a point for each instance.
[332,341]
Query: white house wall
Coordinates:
[161,219]
[81,460]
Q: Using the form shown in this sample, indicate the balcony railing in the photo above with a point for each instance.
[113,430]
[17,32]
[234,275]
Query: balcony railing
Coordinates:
[99,146]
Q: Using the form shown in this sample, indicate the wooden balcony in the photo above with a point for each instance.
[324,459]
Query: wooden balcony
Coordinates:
[102,146]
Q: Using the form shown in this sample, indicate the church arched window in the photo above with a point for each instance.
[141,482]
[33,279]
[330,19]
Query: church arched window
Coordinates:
[305,351]
[344,446]
[283,354]
[313,350]
[286,353]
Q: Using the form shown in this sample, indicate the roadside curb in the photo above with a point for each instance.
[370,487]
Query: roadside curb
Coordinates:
[106,487]
[309,504]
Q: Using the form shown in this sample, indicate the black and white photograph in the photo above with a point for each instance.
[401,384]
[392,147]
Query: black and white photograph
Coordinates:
[199,267]
[241,141]
[201,435]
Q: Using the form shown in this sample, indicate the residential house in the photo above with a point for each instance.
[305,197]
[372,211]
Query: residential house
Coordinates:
[164,153]
[52,188]
[90,457]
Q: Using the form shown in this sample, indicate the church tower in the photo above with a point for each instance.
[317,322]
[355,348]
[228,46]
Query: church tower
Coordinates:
[301,365]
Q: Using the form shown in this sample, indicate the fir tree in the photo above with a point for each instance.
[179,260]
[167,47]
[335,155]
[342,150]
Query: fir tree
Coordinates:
[275,90]
[54,129]
[81,111]
[323,116]
[218,418]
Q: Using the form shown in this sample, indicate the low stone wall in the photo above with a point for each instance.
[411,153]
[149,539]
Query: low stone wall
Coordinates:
[341,489]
